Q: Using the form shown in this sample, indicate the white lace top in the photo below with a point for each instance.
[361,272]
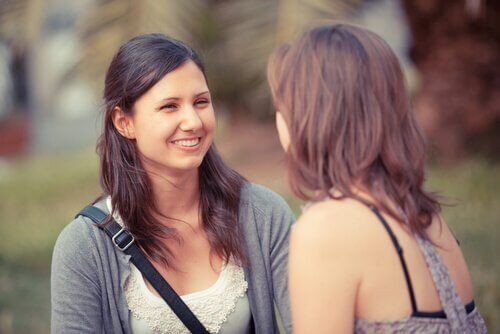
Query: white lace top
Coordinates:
[222,308]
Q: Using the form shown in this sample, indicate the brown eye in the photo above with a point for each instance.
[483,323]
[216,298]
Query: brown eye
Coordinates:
[202,102]
[169,107]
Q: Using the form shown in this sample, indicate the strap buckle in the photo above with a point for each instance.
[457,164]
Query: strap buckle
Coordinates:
[117,243]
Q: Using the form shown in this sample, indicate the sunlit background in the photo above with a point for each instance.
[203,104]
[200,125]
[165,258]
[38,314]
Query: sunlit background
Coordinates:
[54,53]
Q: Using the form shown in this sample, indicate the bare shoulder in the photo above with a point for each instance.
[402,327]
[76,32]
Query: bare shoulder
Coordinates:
[337,227]
[336,219]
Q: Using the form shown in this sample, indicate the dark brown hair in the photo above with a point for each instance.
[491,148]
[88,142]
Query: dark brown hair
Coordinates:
[341,91]
[138,65]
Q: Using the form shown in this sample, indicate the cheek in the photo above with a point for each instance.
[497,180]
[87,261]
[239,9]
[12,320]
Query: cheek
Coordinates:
[153,132]
[209,122]
[283,133]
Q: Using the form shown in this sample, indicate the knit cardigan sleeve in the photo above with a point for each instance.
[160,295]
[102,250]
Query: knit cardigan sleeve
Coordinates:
[75,285]
[87,279]
[267,219]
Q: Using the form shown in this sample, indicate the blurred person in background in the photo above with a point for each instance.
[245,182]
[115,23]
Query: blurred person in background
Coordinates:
[220,241]
[371,252]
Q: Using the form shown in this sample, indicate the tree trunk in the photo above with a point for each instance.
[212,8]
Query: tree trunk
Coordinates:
[456,47]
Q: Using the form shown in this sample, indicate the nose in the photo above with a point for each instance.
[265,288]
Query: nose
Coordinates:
[191,121]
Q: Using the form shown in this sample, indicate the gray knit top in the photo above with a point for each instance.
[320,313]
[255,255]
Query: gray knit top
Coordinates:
[89,272]
[455,317]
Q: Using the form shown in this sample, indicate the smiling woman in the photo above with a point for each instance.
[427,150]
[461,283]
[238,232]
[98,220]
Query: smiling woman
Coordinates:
[204,228]
[173,125]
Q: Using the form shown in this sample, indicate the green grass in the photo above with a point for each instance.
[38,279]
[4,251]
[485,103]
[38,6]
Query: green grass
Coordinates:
[40,195]
[474,187]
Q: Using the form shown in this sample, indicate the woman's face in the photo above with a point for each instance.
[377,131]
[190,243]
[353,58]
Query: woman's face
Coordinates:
[283,132]
[173,122]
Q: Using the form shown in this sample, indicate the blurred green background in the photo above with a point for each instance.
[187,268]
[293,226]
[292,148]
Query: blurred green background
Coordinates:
[54,53]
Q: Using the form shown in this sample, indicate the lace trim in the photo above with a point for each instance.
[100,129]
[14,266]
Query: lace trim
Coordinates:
[212,306]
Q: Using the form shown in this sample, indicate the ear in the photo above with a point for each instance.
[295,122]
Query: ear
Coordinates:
[283,131]
[123,123]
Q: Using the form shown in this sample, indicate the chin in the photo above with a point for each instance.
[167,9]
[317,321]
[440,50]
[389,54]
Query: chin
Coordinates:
[190,165]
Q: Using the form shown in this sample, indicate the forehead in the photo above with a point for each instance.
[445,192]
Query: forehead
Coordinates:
[187,79]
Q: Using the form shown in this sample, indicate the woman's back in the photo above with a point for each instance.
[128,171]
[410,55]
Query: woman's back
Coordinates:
[346,123]
[389,279]
[383,301]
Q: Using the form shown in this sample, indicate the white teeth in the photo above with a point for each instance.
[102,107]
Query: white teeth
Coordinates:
[188,143]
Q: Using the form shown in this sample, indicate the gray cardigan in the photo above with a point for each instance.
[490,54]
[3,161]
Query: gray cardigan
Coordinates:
[89,272]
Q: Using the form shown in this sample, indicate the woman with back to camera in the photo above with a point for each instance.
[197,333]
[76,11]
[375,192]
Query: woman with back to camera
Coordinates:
[371,252]
[219,241]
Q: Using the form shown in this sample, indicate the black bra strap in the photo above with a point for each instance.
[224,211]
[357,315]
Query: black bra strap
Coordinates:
[399,249]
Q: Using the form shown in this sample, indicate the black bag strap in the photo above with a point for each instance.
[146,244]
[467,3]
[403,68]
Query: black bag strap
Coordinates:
[124,241]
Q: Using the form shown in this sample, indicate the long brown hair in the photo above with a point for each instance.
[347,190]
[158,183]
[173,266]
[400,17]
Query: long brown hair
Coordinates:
[138,65]
[341,91]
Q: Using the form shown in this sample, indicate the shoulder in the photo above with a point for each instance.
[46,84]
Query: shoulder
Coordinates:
[338,227]
[78,239]
[262,198]
[264,213]
[75,255]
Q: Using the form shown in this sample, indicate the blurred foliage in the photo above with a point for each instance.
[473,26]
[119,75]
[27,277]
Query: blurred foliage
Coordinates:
[41,194]
[456,48]
[235,37]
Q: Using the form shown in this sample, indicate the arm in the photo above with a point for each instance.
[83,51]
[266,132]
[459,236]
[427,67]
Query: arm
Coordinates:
[75,289]
[323,277]
[282,220]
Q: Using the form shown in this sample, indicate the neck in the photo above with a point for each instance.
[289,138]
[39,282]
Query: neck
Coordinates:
[177,195]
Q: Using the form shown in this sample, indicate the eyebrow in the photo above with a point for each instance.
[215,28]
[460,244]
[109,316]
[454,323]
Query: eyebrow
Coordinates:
[178,98]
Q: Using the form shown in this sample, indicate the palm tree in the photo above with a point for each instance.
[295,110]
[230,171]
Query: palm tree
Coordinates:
[105,26]
[250,32]
[235,37]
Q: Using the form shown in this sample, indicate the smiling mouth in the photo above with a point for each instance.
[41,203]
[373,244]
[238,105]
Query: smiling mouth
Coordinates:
[187,142]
